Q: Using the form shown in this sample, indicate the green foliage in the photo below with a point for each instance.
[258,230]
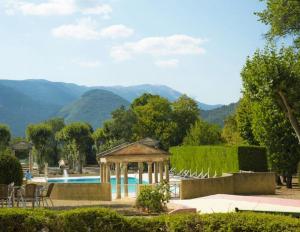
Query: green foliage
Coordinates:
[218,159]
[283,17]
[94,220]
[203,133]
[121,125]
[5,136]
[275,76]
[154,119]
[78,141]
[244,115]
[253,158]
[41,136]
[230,132]
[11,170]
[298,173]
[272,129]
[185,114]
[153,198]
[82,220]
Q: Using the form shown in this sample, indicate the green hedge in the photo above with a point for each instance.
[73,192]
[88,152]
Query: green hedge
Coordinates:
[219,159]
[105,220]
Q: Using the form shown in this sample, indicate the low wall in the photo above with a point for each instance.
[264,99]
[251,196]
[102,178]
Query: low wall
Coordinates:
[90,192]
[236,183]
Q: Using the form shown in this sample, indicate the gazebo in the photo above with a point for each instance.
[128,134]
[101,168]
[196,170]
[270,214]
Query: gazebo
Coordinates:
[143,151]
[27,147]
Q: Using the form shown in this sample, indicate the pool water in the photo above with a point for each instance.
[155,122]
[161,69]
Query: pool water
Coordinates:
[132,182]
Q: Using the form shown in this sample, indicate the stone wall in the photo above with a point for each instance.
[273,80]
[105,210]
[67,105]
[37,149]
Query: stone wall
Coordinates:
[90,192]
[236,183]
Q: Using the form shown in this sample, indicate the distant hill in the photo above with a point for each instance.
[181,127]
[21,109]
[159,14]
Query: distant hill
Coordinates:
[56,93]
[132,92]
[18,110]
[31,101]
[94,107]
[217,116]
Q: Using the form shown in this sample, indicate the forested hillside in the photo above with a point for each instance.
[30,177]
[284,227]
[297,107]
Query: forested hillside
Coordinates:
[94,107]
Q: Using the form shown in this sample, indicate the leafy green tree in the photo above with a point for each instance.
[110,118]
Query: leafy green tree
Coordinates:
[185,114]
[120,127]
[283,17]
[230,132]
[40,135]
[99,138]
[56,124]
[154,119]
[5,137]
[275,75]
[78,138]
[244,117]
[203,133]
[272,129]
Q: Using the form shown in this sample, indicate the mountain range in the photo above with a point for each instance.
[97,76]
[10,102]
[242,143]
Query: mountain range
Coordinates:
[31,101]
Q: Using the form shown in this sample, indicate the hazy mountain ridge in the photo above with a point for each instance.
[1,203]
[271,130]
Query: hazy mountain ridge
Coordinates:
[32,101]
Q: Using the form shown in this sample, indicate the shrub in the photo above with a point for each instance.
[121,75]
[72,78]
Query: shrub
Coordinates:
[24,220]
[81,220]
[105,220]
[219,159]
[11,170]
[153,198]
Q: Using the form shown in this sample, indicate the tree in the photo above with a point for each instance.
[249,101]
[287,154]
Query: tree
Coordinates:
[154,119]
[275,75]
[272,129]
[120,127]
[283,17]
[185,114]
[78,139]
[5,137]
[230,132]
[203,133]
[40,135]
[56,124]
[99,138]
[244,117]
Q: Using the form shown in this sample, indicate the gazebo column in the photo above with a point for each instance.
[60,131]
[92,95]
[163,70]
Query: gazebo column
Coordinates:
[107,173]
[118,180]
[167,171]
[30,158]
[104,173]
[140,165]
[125,166]
[101,172]
[150,172]
[156,172]
[161,172]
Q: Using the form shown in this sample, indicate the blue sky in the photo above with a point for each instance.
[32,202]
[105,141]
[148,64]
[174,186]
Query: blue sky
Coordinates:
[195,46]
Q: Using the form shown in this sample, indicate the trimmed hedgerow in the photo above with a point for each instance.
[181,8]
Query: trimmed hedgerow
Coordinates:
[253,158]
[105,220]
[219,159]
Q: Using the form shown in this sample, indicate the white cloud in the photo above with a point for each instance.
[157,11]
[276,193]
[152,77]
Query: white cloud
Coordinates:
[55,7]
[88,63]
[117,31]
[172,63]
[50,7]
[159,46]
[86,29]
[105,10]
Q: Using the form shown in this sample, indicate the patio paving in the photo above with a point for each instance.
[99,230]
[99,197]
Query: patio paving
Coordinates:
[222,203]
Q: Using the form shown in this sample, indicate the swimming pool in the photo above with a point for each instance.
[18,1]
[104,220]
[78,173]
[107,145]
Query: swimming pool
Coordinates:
[132,182]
